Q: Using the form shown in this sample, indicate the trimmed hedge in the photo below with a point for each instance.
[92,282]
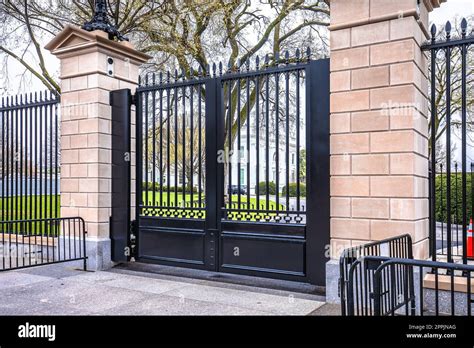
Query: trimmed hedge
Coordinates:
[293,190]
[456,198]
[262,188]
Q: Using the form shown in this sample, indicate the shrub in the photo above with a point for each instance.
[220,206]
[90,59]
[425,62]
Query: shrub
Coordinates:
[262,188]
[456,198]
[293,190]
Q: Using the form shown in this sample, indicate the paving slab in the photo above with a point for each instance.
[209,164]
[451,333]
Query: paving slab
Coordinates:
[11,279]
[276,304]
[171,305]
[38,291]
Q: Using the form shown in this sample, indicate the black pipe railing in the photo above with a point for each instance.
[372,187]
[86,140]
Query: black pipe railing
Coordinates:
[398,286]
[400,246]
[29,243]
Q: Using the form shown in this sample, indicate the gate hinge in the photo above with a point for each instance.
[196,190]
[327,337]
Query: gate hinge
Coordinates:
[134,99]
[133,239]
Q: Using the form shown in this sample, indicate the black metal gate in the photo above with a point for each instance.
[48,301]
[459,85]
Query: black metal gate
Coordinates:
[233,169]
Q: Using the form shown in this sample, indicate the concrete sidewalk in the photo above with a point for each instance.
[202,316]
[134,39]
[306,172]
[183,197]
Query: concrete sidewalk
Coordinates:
[61,290]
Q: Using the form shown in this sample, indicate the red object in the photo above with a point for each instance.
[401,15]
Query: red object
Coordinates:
[470,242]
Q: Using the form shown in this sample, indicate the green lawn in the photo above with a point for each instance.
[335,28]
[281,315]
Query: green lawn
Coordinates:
[30,207]
[50,207]
[185,202]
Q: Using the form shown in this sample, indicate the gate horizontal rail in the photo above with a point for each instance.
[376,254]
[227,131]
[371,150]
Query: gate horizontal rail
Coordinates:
[36,242]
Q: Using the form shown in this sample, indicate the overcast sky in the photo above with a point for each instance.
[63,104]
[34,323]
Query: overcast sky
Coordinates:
[447,11]
[451,9]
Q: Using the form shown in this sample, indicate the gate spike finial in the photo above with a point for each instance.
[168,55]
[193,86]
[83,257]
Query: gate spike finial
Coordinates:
[168,76]
[257,62]
[287,57]
[176,74]
[463,27]
[267,60]
[214,68]
[146,79]
[183,74]
[277,58]
[247,64]
[199,71]
[434,29]
[161,77]
[208,69]
[308,53]
[298,53]
[220,68]
[154,78]
[448,30]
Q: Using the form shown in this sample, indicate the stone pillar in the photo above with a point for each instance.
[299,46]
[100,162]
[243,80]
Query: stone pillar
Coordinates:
[87,77]
[379,125]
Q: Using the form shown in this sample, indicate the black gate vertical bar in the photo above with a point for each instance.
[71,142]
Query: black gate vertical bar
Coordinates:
[433,157]
[448,153]
[168,137]
[183,162]
[464,152]
[146,146]
[176,142]
[257,140]
[317,140]
[200,146]
[239,144]
[2,180]
[247,152]
[138,163]
[121,101]
[214,170]
[153,120]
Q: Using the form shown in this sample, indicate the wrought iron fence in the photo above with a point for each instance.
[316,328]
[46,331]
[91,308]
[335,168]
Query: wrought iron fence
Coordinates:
[451,70]
[399,247]
[29,243]
[29,157]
